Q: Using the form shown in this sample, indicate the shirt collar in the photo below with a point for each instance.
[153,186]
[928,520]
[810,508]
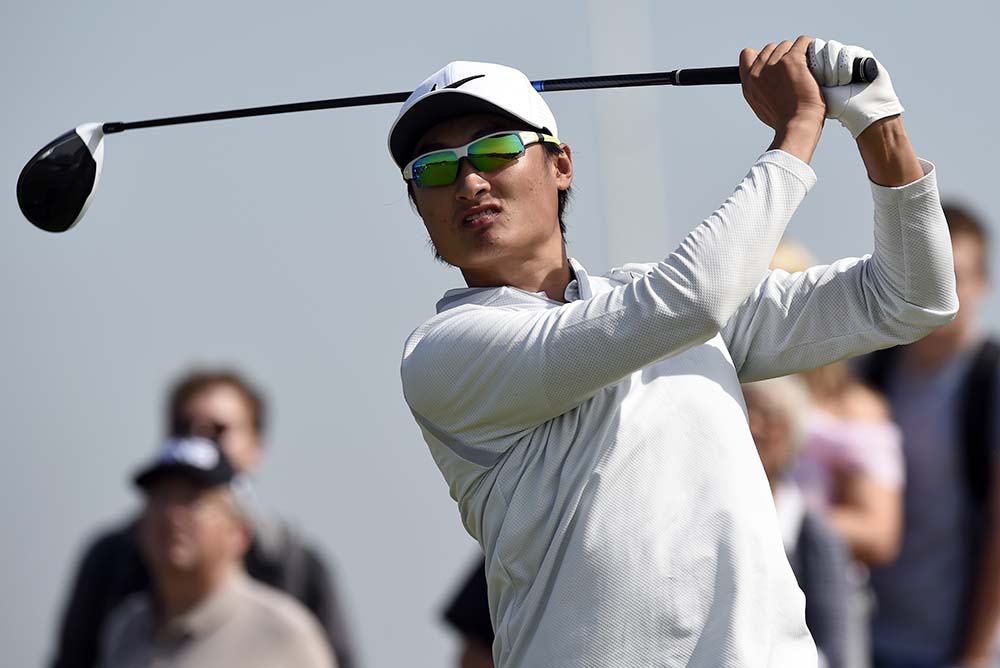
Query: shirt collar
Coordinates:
[209,614]
[580,287]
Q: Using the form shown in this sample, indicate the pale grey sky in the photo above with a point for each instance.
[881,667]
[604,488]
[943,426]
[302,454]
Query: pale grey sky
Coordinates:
[286,246]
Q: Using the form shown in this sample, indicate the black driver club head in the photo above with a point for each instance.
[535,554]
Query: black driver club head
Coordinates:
[56,185]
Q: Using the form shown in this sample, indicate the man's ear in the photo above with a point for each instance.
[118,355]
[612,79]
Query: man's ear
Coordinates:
[564,167]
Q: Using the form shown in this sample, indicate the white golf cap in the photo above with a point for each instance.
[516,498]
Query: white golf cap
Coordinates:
[461,88]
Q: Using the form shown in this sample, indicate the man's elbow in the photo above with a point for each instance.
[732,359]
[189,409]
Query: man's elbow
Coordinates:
[922,320]
[939,318]
[937,306]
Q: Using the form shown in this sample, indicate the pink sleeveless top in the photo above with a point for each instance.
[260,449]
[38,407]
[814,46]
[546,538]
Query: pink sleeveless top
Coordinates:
[833,444]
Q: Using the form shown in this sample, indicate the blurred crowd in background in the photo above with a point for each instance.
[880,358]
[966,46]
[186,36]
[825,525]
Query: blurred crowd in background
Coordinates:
[885,472]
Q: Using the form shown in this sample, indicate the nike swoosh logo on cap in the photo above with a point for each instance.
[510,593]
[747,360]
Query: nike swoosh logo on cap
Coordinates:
[465,80]
[459,82]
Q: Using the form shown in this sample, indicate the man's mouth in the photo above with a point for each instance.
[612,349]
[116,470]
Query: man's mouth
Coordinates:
[481,217]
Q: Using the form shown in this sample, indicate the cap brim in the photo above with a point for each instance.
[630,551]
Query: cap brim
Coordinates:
[438,107]
[212,478]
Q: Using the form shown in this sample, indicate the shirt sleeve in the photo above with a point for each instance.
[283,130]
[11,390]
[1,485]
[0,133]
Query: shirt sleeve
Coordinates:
[96,590]
[322,600]
[79,631]
[123,632]
[476,373]
[905,289]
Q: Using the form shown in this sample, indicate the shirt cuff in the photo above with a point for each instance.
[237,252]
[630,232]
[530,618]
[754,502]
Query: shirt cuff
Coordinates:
[800,170]
[926,182]
[924,185]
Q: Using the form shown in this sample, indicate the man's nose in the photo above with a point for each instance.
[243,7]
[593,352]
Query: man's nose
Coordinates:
[471,183]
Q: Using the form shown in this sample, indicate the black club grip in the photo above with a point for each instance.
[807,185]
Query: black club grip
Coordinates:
[865,70]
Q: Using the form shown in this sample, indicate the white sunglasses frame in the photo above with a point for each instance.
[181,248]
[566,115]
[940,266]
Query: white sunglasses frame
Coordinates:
[527,138]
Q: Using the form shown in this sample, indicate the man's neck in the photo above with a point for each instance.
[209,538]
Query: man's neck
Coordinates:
[532,275]
[178,593]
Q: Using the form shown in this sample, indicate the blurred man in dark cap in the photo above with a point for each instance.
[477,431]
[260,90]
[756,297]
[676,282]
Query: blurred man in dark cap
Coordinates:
[223,405]
[203,610]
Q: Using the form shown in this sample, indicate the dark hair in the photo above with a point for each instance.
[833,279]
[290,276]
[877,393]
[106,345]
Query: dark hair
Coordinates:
[564,195]
[961,220]
[563,201]
[197,381]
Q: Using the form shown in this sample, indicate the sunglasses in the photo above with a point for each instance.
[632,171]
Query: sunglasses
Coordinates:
[487,154]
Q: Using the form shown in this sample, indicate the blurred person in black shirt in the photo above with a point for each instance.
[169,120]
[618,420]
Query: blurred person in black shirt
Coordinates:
[468,613]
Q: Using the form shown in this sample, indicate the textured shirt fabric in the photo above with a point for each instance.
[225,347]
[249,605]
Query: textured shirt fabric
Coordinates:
[922,593]
[243,624]
[599,450]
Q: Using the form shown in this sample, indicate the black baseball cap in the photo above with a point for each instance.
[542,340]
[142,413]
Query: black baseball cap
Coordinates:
[191,457]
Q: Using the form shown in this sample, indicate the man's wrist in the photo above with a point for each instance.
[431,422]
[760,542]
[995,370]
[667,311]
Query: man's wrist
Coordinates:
[799,136]
[887,153]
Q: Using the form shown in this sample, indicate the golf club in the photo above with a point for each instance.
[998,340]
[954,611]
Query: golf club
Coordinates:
[56,186]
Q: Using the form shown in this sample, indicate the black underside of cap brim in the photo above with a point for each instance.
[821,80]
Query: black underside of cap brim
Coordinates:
[437,108]
[199,476]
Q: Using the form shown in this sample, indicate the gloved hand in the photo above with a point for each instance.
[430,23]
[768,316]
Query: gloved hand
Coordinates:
[857,105]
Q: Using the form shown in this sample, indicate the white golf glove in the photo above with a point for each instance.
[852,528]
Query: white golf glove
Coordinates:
[857,105]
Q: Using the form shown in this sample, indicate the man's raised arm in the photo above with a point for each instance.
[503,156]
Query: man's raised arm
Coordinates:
[899,294]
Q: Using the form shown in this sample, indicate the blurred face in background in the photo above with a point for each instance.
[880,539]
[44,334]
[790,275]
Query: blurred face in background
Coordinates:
[970,275]
[222,412]
[972,286]
[772,431]
[190,530]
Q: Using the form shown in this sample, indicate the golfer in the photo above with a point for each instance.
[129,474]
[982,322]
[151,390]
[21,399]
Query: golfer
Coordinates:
[591,428]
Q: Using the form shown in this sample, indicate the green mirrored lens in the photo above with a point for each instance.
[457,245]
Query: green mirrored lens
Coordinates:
[436,169]
[492,153]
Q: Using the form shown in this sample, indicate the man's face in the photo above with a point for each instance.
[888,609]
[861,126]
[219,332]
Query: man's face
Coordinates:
[189,529]
[520,201]
[224,407]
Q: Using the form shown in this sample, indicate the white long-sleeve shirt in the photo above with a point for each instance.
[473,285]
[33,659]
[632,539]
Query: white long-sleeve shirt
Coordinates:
[599,451]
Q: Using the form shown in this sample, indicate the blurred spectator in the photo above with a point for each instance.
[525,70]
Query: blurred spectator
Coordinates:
[223,405]
[939,601]
[851,465]
[776,410]
[206,612]
[469,614]
[850,468]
